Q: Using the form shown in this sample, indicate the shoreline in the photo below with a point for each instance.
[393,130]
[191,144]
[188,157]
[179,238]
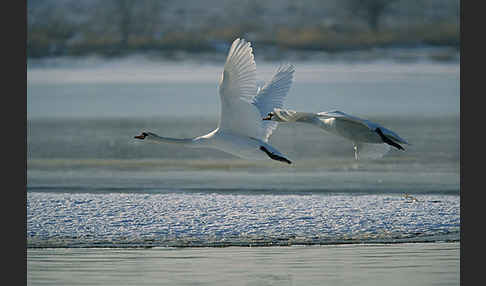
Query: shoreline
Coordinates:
[419,54]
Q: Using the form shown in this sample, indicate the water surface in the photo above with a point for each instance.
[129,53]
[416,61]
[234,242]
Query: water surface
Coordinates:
[397,264]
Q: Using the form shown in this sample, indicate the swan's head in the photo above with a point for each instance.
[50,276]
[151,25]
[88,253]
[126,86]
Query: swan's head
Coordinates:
[141,136]
[282,115]
[271,116]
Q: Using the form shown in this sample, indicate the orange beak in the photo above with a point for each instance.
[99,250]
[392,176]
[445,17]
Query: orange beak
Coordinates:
[269,117]
[141,136]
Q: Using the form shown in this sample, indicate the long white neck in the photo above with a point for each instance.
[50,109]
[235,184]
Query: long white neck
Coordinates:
[159,139]
[287,115]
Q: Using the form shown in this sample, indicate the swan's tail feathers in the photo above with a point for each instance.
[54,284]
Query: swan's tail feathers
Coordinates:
[388,140]
[275,156]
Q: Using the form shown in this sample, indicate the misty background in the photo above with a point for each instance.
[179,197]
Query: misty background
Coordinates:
[178,29]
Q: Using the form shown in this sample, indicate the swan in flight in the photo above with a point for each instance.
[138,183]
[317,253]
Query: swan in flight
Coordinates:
[240,130]
[361,132]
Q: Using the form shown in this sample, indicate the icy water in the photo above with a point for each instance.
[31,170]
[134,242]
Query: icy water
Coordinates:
[355,264]
[209,219]
[91,187]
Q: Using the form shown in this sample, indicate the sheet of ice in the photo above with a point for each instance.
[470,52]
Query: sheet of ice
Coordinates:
[212,219]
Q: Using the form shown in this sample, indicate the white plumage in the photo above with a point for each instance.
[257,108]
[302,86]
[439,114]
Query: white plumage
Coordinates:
[240,130]
[364,134]
[272,95]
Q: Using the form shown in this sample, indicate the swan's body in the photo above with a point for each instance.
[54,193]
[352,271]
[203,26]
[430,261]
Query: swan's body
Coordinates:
[240,130]
[359,131]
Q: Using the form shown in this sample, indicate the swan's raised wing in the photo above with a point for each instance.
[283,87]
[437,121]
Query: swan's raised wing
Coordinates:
[237,89]
[272,95]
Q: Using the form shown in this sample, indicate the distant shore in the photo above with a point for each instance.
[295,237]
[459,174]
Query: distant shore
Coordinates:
[445,54]
[181,29]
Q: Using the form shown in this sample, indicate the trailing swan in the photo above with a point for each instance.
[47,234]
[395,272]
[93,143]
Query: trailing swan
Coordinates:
[360,132]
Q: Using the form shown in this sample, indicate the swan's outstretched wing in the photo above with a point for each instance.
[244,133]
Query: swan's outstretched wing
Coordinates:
[272,95]
[339,115]
[237,89]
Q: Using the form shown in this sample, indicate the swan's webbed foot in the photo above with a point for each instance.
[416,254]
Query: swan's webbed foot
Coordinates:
[275,157]
[356,152]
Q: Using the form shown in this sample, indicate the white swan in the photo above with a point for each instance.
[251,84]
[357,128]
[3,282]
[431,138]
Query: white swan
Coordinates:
[361,132]
[240,130]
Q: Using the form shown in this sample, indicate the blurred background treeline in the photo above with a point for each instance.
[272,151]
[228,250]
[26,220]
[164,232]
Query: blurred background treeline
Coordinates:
[166,27]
